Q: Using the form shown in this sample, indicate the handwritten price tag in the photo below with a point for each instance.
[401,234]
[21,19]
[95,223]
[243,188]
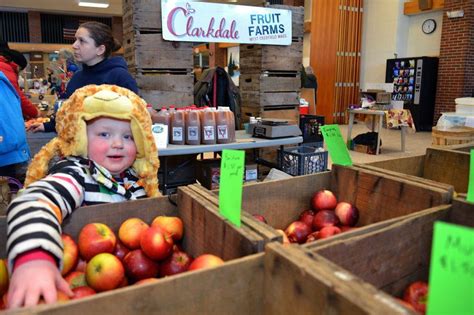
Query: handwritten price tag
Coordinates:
[230,191]
[336,145]
[451,285]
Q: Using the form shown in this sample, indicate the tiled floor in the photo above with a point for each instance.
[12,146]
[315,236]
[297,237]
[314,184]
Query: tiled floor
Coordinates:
[415,144]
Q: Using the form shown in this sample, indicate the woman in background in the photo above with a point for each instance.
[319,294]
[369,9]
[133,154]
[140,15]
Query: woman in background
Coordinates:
[92,48]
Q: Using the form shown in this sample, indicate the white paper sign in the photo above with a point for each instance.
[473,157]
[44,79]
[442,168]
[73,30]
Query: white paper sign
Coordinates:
[189,21]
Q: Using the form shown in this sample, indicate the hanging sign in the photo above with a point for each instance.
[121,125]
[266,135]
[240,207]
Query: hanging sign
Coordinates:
[188,21]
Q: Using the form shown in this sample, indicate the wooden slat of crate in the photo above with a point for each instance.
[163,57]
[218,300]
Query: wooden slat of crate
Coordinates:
[165,98]
[265,83]
[256,99]
[311,280]
[437,167]
[258,58]
[141,14]
[166,82]
[202,217]
[392,268]
[297,18]
[291,113]
[151,51]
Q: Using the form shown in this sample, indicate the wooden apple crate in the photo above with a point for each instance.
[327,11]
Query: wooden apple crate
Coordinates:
[283,280]
[258,58]
[164,88]
[379,197]
[391,255]
[144,14]
[205,231]
[436,166]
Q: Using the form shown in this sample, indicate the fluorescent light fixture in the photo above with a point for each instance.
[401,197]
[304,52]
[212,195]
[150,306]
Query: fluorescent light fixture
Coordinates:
[94,4]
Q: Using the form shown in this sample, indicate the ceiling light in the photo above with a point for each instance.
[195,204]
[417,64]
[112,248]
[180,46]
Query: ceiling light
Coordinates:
[94,4]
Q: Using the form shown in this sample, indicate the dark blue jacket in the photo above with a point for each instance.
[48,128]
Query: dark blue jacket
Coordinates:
[13,144]
[112,70]
[109,71]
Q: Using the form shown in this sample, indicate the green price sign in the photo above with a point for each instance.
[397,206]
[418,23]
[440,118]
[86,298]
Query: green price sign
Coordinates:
[230,184]
[451,285]
[336,146]
[470,186]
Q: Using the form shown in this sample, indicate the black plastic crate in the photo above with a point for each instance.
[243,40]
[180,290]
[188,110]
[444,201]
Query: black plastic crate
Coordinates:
[303,160]
[310,126]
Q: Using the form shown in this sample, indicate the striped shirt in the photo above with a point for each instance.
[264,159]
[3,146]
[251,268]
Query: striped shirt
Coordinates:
[34,218]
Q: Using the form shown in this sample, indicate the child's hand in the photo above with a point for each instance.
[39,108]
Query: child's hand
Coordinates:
[33,280]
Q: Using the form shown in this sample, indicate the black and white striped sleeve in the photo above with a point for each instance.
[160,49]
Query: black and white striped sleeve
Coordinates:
[34,218]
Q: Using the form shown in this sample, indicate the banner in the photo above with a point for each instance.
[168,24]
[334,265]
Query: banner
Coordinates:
[189,21]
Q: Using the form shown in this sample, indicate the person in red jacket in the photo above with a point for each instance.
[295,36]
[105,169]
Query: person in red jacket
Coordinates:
[11,63]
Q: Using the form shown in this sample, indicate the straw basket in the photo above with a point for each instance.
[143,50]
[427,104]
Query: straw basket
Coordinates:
[452,136]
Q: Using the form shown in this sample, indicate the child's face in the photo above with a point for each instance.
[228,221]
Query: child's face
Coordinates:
[111,144]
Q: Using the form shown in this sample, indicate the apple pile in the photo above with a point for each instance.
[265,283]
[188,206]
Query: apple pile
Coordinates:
[102,260]
[326,217]
[415,297]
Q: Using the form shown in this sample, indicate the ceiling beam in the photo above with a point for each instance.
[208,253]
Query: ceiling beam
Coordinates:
[413,7]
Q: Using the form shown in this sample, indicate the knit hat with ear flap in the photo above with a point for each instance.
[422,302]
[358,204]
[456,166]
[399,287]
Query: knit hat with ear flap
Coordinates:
[88,103]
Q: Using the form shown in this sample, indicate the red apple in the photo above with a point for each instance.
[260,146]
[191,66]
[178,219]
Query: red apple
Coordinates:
[347,213]
[120,250]
[307,217]
[156,243]
[417,295]
[96,238]
[124,283]
[4,278]
[205,261]
[130,232]
[260,218]
[138,266]
[104,272]
[323,200]
[297,232]
[324,218]
[70,254]
[328,231]
[285,237]
[148,280]
[312,237]
[81,265]
[76,279]
[172,225]
[178,262]
[82,292]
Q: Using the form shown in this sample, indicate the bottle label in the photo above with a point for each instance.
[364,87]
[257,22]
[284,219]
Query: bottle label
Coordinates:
[209,133]
[177,133]
[193,133]
[222,132]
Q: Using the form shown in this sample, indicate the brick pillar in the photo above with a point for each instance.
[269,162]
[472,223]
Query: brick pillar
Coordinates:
[117,29]
[456,60]
[34,25]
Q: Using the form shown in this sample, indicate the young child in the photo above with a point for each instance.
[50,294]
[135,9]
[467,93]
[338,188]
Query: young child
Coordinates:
[109,155]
